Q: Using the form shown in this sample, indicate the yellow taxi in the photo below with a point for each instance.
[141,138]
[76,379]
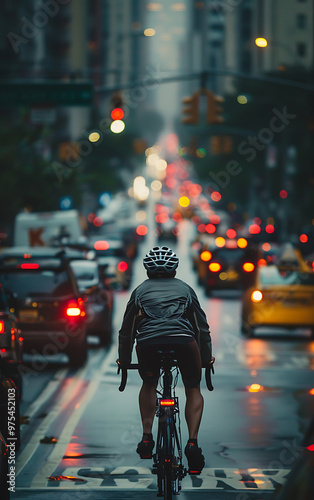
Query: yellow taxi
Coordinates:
[282,297]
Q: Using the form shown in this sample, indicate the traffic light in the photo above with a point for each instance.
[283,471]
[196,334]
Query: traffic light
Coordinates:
[227,144]
[214,108]
[221,144]
[191,109]
[117,114]
[215,145]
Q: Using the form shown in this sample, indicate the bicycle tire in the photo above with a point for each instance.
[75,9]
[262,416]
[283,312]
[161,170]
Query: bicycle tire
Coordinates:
[169,451]
[168,483]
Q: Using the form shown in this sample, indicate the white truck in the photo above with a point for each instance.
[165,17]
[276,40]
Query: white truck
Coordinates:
[48,228]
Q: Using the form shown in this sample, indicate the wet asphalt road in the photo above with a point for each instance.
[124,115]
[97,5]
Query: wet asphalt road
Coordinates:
[250,439]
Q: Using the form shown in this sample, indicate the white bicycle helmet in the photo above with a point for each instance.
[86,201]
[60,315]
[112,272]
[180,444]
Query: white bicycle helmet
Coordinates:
[160,260]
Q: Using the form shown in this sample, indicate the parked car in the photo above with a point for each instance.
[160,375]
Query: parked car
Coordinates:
[4,470]
[45,298]
[9,407]
[279,298]
[98,298]
[11,341]
[113,259]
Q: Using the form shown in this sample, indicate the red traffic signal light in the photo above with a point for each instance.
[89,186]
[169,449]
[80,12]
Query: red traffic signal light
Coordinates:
[117,114]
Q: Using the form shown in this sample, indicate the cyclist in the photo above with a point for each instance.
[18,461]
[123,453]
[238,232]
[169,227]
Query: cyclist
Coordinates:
[165,311]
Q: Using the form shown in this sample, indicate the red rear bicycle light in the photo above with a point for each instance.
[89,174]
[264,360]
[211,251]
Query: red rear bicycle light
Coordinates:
[2,327]
[29,265]
[167,402]
[122,266]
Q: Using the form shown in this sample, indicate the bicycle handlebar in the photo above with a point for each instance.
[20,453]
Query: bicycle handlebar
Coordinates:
[132,366]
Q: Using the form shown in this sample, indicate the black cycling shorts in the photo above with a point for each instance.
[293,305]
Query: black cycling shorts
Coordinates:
[187,355]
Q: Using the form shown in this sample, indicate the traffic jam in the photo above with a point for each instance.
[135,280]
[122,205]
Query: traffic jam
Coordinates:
[59,299]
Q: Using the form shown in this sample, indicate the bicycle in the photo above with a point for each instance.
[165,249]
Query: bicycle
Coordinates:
[168,463]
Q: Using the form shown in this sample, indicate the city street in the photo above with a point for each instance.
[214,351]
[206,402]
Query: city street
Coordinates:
[250,439]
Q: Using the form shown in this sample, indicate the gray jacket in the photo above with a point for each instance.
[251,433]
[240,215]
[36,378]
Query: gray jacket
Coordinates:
[159,307]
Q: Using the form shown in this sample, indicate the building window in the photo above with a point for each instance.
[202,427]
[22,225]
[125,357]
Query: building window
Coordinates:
[301,21]
[301,49]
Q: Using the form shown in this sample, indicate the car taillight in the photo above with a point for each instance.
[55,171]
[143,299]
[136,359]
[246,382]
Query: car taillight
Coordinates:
[73,309]
[248,267]
[167,402]
[206,256]
[256,296]
[29,265]
[122,266]
[2,330]
[214,267]
[261,262]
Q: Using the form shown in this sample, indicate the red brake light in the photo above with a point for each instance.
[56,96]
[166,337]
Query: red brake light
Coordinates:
[101,245]
[122,266]
[2,327]
[167,402]
[248,267]
[73,309]
[206,256]
[214,267]
[29,265]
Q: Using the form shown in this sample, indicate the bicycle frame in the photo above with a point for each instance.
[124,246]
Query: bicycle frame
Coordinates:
[168,457]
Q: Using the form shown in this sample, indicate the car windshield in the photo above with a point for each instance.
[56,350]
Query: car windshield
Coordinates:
[84,272]
[37,283]
[274,276]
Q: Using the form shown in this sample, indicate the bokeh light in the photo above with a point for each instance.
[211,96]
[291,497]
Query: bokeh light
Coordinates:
[94,136]
[184,201]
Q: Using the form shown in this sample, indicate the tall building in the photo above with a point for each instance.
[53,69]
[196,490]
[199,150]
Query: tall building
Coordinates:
[287,25]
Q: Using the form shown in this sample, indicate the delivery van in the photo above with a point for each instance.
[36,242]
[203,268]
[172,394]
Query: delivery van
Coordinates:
[48,228]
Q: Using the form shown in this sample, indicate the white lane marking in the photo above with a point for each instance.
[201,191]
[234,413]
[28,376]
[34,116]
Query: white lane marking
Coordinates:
[55,457]
[57,379]
[30,448]
[142,477]
[40,432]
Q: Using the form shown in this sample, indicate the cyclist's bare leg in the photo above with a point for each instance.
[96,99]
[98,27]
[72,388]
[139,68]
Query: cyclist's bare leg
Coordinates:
[193,410]
[147,402]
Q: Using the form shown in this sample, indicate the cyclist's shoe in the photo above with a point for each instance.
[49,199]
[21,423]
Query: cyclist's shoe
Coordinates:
[145,447]
[195,457]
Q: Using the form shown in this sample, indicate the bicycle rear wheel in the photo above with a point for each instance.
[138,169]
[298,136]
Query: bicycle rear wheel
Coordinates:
[168,457]
[168,483]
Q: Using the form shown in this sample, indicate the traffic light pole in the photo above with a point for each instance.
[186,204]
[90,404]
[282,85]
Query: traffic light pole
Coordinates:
[203,76]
